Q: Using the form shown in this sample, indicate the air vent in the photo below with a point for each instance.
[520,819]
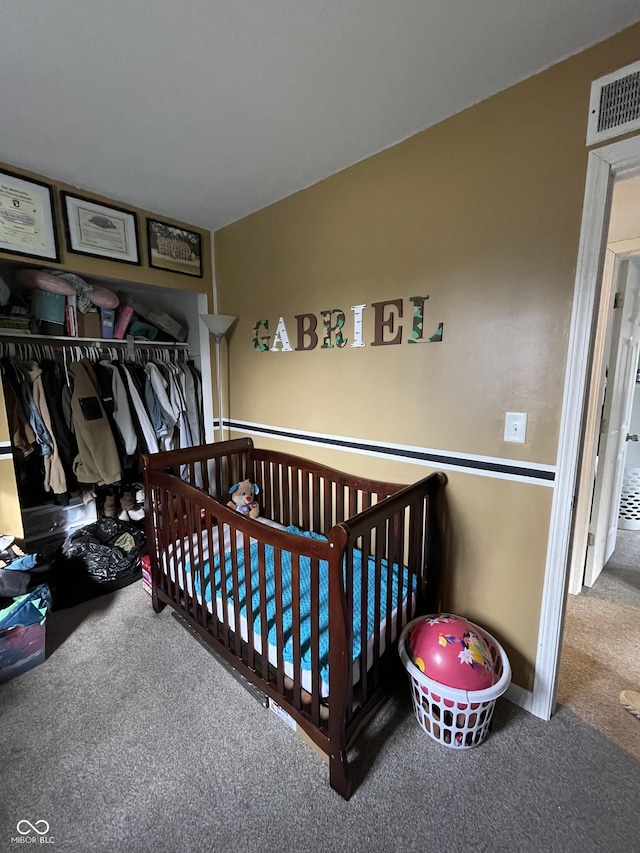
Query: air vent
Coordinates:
[614,107]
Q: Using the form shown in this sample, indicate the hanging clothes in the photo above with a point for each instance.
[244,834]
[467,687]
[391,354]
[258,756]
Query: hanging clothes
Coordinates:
[175,379]
[118,411]
[160,408]
[23,438]
[16,375]
[57,391]
[193,406]
[54,476]
[139,409]
[197,382]
[85,423]
[97,461]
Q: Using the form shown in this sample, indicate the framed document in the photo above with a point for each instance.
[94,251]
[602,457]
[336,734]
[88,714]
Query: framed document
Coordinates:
[95,229]
[174,249]
[27,223]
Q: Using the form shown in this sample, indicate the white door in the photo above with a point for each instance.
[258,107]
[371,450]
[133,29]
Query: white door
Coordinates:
[616,417]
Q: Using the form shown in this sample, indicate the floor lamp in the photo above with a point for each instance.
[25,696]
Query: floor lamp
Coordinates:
[218,325]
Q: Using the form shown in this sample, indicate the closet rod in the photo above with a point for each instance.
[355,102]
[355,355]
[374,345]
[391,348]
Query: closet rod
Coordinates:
[25,338]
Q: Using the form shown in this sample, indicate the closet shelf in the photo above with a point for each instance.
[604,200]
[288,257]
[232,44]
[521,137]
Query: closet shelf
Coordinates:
[27,337]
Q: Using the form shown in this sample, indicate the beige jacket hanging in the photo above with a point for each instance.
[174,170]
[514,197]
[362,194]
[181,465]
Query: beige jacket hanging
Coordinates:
[97,460]
[54,476]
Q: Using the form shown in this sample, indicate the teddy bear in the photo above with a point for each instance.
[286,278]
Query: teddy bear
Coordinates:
[243,498]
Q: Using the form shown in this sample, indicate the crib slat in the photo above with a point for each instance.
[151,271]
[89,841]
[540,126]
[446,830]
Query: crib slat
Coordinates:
[277,572]
[296,488]
[248,595]
[306,518]
[177,548]
[223,582]
[204,473]
[164,577]
[267,491]
[316,502]
[276,506]
[327,522]
[219,489]
[264,624]
[315,641]
[235,592]
[364,618]
[349,617]
[295,628]
[190,534]
[398,558]
[286,497]
[184,546]
[414,557]
[201,561]
[377,608]
[339,516]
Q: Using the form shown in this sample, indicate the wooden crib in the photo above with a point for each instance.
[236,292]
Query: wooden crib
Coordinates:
[304,604]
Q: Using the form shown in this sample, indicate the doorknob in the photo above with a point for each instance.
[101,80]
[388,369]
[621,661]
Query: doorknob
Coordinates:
[633,437]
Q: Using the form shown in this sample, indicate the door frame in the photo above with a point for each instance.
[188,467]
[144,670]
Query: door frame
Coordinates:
[605,165]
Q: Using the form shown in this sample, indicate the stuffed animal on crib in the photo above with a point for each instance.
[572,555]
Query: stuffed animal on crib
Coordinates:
[243,498]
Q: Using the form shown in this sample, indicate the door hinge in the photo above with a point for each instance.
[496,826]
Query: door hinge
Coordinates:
[617,300]
[591,540]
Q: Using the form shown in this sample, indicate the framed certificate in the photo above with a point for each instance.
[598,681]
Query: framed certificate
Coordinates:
[27,223]
[96,229]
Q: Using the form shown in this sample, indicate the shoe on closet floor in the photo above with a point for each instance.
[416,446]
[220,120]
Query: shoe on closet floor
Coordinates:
[110,507]
[127,500]
[136,514]
[131,510]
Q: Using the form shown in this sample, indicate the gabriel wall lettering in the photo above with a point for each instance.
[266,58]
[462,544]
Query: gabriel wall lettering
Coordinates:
[387,328]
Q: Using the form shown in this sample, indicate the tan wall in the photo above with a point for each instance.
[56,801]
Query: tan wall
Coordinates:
[482,213]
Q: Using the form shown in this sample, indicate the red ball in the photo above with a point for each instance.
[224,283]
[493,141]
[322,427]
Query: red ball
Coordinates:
[451,651]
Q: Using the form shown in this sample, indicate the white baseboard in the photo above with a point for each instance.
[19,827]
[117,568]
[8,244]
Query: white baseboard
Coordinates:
[520,697]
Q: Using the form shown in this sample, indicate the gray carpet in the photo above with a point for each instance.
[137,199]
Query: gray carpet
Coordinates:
[131,737]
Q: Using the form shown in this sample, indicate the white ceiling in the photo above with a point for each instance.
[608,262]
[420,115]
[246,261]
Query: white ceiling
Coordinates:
[207,110]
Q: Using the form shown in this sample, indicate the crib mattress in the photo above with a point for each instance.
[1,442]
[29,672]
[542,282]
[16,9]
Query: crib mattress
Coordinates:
[181,552]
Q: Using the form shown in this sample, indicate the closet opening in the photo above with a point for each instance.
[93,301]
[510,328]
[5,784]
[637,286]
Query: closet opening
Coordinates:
[107,401]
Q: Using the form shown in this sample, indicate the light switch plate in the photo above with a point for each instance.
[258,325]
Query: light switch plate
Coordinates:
[515,427]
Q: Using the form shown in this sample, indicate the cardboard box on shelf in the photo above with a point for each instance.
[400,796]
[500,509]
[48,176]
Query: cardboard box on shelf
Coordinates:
[89,325]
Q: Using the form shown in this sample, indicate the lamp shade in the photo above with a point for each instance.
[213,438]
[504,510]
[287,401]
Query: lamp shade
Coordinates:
[218,324]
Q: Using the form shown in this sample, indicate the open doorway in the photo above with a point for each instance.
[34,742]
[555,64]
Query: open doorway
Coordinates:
[605,167]
[602,617]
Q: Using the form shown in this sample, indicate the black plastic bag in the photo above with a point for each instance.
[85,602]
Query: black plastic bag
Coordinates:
[98,558]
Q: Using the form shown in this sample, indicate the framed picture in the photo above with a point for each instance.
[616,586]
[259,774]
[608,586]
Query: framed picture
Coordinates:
[174,249]
[98,229]
[27,222]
